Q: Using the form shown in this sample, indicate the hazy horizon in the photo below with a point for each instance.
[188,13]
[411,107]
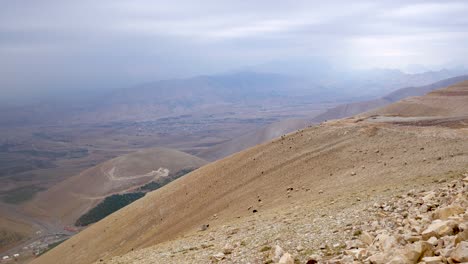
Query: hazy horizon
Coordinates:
[62,47]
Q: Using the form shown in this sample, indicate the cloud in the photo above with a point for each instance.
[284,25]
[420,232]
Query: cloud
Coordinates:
[104,44]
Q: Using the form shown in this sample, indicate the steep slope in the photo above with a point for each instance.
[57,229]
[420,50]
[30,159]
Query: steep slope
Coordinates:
[322,170]
[277,129]
[351,109]
[253,138]
[449,102]
[71,198]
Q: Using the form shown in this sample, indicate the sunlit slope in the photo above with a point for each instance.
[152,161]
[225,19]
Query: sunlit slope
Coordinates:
[449,102]
[333,160]
[347,110]
[253,138]
[73,197]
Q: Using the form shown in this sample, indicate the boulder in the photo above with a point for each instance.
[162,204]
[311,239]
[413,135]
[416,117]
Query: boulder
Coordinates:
[462,236]
[414,252]
[460,253]
[433,260]
[445,212]
[439,228]
[379,258]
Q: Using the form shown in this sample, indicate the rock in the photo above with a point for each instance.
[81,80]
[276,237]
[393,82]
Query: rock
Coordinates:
[346,260]
[385,242]
[445,212]
[439,228]
[413,239]
[379,258]
[359,253]
[460,253]
[217,257]
[366,238]
[433,241]
[323,246]
[204,227]
[286,259]
[414,252]
[433,260]
[462,236]
[278,253]
[299,248]
[354,244]
[227,249]
[399,260]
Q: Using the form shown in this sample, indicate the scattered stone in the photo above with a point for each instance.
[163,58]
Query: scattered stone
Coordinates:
[227,249]
[286,259]
[366,238]
[427,227]
[278,253]
[217,257]
[204,227]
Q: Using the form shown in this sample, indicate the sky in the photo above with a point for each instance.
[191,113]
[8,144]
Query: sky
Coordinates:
[75,46]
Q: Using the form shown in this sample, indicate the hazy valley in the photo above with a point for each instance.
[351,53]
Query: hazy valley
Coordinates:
[55,159]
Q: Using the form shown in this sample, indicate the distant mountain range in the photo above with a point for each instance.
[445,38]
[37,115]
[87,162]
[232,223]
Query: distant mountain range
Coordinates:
[216,93]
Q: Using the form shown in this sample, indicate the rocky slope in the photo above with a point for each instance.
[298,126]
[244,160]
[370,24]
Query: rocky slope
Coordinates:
[307,192]
[415,226]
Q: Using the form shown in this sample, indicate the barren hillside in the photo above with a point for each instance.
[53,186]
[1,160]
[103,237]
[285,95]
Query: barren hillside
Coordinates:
[71,198]
[305,191]
[253,138]
[347,110]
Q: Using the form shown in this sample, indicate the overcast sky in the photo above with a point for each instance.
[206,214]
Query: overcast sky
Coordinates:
[89,44]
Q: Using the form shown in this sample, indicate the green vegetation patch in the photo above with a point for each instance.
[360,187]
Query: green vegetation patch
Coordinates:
[21,194]
[117,201]
[108,206]
[156,184]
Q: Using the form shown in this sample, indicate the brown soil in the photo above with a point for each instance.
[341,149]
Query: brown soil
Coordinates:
[323,170]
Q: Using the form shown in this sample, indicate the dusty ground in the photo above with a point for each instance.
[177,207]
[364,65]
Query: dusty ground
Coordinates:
[300,228]
[327,173]
[345,160]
